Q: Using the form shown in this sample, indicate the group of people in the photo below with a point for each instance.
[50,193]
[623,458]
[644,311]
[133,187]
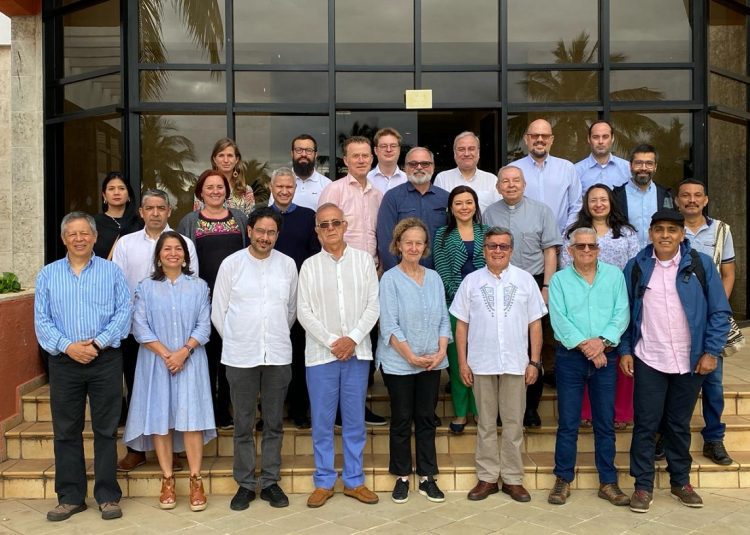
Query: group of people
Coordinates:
[246,308]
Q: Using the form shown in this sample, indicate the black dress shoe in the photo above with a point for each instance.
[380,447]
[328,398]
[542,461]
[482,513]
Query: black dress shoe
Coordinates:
[717,453]
[275,496]
[531,419]
[302,423]
[242,499]
[437,421]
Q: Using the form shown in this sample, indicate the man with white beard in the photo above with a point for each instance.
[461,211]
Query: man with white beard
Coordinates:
[416,198]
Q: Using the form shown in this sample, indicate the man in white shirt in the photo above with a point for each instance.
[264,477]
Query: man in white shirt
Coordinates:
[254,306]
[466,154]
[134,253]
[309,182]
[338,307]
[499,310]
[386,174]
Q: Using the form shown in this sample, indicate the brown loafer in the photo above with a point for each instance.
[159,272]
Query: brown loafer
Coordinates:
[517,492]
[176,463]
[363,494]
[319,497]
[481,490]
[132,460]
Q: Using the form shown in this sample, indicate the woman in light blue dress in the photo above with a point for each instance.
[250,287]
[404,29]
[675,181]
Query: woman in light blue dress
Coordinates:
[171,407]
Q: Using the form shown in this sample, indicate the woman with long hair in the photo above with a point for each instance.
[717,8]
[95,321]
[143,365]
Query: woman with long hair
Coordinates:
[227,160]
[119,215]
[457,252]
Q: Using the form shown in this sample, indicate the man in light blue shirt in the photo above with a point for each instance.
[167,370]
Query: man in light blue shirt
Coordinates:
[601,166]
[550,180]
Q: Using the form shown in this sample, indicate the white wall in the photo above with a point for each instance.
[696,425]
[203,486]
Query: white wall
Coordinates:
[4,30]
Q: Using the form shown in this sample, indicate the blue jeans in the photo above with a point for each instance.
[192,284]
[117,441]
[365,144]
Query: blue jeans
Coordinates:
[332,385]
[574,371]
[713,404]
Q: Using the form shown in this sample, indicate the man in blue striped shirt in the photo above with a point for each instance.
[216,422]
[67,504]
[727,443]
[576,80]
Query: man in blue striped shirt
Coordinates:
[82,311]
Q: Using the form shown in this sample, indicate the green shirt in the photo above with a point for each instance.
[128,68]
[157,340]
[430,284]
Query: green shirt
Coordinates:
[580,311]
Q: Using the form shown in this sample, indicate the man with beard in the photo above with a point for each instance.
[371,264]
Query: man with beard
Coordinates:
[416,198]
[549,179]
[310,183]
[641,197]
[386,174]
[601,166]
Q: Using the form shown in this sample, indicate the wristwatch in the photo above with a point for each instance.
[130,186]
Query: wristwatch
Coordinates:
[537,365]
[606,342]
[190,349]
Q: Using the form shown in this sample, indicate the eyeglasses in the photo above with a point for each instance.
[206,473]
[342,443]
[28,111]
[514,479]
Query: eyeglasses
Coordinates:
[498,246]
[392,146]
[545,137]
[298,151]
[264,232]
[462,150]
[585,246]
[648,164]
[414,165]
[335,223]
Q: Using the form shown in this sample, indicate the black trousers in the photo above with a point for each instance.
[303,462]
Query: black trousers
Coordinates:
[129,348]
[413,399]
[217,374]
[297,398]
[69,384]
[673,397]
[534,391]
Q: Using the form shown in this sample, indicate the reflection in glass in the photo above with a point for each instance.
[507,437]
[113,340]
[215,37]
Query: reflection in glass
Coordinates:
[185,86]
[670,132]
[101,91]
[473,41]
[647,31]
[91,38]
[462,86]
[175,149]
[553,86]
[727,38]
[727,92]
[569,128]
[280,86]
[92,148]
[536,33]
[281,32]
[181,32]
[370,33]
[266,141]
[650,85]
[373,86]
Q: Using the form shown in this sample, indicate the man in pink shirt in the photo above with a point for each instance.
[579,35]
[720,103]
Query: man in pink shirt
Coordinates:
[679,321]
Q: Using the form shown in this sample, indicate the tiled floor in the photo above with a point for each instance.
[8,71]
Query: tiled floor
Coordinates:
[726,512]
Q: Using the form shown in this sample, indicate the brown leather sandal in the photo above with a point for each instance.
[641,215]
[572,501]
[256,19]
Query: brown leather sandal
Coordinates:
[167,497]
[198,500]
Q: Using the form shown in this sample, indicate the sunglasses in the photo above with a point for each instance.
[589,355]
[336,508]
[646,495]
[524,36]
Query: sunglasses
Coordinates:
[496,246]
[584,246]
[336,223]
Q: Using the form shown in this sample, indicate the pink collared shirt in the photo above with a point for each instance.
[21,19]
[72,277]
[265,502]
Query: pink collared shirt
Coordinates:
[665,334]
[360,206]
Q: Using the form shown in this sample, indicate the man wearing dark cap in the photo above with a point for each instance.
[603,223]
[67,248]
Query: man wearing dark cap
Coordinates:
[679,321]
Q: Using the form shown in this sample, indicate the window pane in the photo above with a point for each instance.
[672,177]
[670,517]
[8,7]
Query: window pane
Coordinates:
[373,86]
[175,150]
[557,31]
[462,86]
[727,38]
[472,42]
[91,38]
[292,87]
[181,32]
[92,93]
[379,33]
[553,86]
[648,31]
[670,132]
[727,92]
[569,128]
[650,85]
[183,86]
[281,32]
[267,140]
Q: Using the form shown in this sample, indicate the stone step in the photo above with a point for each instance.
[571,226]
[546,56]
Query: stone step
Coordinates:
[34,440]
[26,479]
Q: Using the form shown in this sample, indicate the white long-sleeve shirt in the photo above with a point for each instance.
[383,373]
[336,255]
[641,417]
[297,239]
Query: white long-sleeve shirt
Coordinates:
[254,306]
[337,298]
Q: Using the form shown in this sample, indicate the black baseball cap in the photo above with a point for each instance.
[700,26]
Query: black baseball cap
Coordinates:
[666,214]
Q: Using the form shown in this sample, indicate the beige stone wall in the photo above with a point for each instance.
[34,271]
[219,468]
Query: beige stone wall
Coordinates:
[6,251]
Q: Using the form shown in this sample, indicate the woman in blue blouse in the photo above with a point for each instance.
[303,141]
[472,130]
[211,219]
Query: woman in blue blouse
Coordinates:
[171,407]
[414,336]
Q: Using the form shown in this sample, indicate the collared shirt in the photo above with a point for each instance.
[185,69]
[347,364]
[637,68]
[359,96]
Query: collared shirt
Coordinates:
[68,308]
[615,172]
[641,206]
[665,336]
[407,201]
[384,182]
[413,313]
[134,253]
[704,240]
[556,184]
[533,227]
[253,309]
[580,311]
[360,206]
[484,183]
[498,311]
[612,251]
[336,298]
[308,190]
